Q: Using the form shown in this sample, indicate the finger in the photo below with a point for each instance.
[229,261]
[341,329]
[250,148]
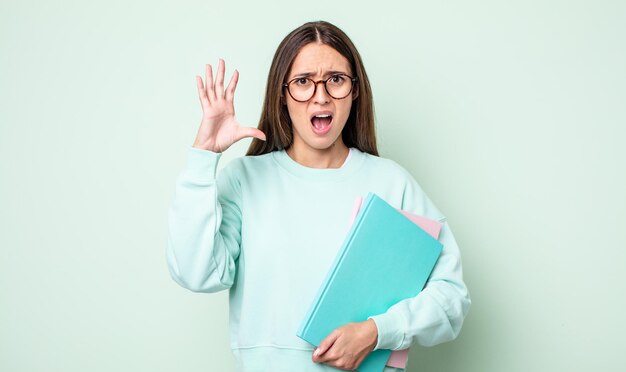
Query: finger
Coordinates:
[204,101]
[250,132]
[209,83]
[328,356]
[230,89]
[326,344]
[219,80]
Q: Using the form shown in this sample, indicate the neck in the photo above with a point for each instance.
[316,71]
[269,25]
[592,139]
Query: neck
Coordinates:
[332,157]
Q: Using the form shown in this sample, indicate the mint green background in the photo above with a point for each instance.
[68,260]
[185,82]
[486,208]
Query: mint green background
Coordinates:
[511,115]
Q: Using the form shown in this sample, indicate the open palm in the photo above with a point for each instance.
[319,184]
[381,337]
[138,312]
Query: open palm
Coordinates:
[219,128]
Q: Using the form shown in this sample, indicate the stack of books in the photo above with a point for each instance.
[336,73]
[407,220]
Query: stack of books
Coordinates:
[386,257]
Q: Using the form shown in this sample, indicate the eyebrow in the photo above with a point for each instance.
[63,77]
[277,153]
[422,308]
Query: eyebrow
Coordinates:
[309,74]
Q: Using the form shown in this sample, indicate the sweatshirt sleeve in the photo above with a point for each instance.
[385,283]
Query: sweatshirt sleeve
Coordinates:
[204,225]
[436,314]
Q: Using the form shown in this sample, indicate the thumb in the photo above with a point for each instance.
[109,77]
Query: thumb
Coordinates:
[249,132]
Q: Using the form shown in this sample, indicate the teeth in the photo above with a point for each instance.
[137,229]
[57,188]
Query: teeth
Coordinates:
[322,116]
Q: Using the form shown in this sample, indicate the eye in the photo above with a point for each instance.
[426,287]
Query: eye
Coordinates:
[301,81]
[337,79]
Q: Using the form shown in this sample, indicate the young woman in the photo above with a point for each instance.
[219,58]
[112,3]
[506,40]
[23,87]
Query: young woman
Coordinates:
[269,226]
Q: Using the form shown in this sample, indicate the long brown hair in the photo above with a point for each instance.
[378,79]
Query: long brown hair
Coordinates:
[275,122]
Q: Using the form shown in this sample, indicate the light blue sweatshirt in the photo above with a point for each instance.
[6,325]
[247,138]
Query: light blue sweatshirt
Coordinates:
[268,229]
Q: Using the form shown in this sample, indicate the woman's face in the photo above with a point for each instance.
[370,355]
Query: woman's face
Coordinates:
[318,122]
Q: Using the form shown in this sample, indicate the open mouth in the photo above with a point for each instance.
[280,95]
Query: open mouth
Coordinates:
[321,123]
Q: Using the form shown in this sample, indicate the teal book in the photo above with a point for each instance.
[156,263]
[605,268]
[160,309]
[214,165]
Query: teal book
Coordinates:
[385,258]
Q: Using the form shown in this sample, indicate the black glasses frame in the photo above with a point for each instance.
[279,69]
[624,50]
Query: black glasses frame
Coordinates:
[353,80]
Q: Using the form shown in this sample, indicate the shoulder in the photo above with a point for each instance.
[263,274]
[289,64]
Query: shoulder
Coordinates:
[248,166]
[234,178]
[248,162]
[387,167]
[400,183]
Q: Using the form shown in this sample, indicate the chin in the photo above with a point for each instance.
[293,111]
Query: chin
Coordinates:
[323,145]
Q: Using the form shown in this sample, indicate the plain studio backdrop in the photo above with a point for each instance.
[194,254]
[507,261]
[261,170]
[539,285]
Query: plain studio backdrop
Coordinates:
[510,114]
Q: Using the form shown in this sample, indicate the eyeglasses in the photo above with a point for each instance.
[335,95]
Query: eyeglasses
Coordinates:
[337,86]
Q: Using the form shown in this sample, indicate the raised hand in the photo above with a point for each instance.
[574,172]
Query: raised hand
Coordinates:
[219,128]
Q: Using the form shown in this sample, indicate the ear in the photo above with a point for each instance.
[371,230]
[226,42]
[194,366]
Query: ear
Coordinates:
[355,92]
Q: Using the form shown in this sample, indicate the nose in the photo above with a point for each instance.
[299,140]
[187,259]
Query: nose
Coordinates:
[321,96]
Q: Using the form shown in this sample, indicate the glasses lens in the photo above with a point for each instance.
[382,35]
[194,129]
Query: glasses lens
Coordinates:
[339,86]
[301,89]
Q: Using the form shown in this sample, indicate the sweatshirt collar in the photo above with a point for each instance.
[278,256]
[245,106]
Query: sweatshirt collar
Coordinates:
[353,162]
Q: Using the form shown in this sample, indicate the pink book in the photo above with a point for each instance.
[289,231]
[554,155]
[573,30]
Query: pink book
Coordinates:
[399,358]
